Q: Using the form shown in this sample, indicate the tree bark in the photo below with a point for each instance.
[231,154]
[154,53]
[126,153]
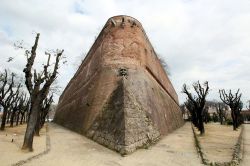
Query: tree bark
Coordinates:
[29,134]
[22,118]
[8,117]
[12,117]
[17,118]
[233,119]
[236,119]
[4,118]
[43,118]
[200,124]
[37,128]
[221,116]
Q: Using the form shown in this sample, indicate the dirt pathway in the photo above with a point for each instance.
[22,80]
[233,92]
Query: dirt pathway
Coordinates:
[69,148]
[246,142]
[10,151]
[218,142]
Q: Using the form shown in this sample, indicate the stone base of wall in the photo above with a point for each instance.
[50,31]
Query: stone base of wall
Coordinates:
[135,115]
[123,124]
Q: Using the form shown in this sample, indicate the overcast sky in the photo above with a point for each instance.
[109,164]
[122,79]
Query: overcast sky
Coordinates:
[199,40]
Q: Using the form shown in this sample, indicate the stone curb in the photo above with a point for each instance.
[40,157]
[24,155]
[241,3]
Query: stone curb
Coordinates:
[237,151]
[199,149]
[48,147]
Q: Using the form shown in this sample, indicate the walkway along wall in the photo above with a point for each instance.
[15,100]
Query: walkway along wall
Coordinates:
[120,96]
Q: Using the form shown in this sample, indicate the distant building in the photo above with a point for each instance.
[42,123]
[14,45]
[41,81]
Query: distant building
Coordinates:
[212,108]
[246,115]
[185,112]
[52,112]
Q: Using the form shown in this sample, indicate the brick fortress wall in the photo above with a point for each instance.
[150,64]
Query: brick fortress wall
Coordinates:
[120,96]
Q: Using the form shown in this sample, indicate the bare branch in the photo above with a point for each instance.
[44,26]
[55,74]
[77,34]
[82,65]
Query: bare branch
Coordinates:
[52,77]
[27,70]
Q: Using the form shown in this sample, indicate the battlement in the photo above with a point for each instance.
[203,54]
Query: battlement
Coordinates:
[123,20]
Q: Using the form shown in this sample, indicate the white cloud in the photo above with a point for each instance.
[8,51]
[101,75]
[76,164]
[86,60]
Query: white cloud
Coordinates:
[200,40]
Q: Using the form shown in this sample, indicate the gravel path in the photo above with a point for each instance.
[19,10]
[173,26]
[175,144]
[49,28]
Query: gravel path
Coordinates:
[246,142]
[70,148]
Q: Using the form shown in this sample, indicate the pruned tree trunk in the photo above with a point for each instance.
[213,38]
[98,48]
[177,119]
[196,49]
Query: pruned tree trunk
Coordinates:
[17,118]
[37,127]
[234,120]
[4,116]
[30,130]
[43,119]
[22,118]
[7,96]
[196,103]
[221,120]
[201,125]
[234,102]
[12,117]
[8,117]
[28,115]
[221,116]
[38,85]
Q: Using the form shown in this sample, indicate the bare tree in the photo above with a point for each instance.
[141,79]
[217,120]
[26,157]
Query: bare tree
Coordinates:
[190,106]
[14,107]
[221,111]
[206,115]
[235,104]
[25,111]
[38,85]
[7,94]
[185,112]
[21,108]
[45,109]
[198,101]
